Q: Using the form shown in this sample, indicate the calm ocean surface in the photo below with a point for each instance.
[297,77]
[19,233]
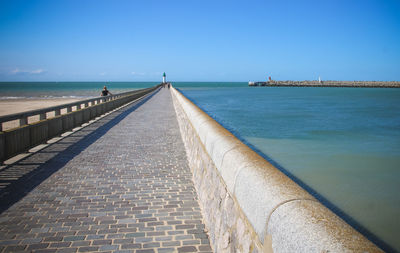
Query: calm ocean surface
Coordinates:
[344,143]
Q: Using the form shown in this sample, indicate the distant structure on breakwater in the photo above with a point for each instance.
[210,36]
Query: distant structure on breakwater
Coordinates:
[329,83]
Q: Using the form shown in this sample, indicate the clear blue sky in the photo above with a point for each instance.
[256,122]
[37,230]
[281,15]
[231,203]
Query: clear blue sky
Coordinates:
[203,40]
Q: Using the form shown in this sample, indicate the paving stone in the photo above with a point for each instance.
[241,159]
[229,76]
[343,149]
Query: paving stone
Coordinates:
[60,244]
[80,243]
[184,237]
[135,235]
[14,248]
[166,250]
[163,238]
[187,249]
[31,240]
[184,226]
[10,242]
[101,242]
[74,238]
[145,251]
[176,232]
[120,184]
[173,243]
[143,239]
[67,250]
[88,249]
[36,246]
[95,237]
[151,245]
[122,241]
[191,242]
[131,246]
[108,247]
[205,248]
[45,251]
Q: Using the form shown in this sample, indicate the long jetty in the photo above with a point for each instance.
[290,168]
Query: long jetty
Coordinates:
[328,83]
[157,174]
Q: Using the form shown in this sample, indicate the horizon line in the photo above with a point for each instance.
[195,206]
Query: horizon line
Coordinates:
[325,80]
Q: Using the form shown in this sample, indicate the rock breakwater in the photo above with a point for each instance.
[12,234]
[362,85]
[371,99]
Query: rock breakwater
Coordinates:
[329,83]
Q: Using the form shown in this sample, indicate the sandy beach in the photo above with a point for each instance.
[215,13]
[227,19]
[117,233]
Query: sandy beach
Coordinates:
[10,106]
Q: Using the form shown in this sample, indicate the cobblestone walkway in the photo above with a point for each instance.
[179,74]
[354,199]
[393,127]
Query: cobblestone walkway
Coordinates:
[122,184]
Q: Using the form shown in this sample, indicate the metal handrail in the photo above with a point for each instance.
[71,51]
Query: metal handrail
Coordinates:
[23,116]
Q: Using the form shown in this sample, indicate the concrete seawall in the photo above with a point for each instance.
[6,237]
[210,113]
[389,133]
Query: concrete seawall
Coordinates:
[248,204]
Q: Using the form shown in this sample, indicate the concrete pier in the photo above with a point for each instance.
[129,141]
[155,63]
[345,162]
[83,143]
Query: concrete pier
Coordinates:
[160,175]
[121,184]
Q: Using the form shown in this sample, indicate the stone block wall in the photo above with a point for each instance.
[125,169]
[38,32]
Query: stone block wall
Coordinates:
[249,205]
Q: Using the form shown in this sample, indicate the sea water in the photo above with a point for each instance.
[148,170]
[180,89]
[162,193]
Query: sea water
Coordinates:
[343,143]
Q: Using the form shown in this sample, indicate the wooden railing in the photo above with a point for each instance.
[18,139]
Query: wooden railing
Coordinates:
[23,116]
[29,134]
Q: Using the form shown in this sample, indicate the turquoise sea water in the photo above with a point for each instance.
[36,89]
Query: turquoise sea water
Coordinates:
[343,143]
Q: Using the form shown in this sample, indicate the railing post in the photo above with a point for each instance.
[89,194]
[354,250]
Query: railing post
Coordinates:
[78,107]
[69,109]
[23,121]
[42,116]
[1,127]
[57,112]
[87,104]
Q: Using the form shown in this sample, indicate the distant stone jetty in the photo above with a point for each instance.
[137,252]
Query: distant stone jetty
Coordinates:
[307,83]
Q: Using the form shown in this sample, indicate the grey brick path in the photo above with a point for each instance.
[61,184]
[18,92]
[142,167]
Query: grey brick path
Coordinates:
[121,184]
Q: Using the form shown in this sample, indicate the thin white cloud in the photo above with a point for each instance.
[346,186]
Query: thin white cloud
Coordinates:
[38,71]
[15,71]
[18,71]
[103,73]
[138,73]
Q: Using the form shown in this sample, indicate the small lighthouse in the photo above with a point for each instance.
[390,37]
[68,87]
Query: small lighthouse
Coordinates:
[164,77]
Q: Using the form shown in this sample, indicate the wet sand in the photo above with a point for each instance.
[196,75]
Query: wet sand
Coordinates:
[10,106]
